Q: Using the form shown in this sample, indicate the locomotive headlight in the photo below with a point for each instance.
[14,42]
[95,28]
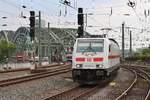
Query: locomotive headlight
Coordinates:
[99,66]
[79,65]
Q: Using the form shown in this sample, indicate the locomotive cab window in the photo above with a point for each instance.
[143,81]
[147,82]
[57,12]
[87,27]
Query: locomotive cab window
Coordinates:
[90,45]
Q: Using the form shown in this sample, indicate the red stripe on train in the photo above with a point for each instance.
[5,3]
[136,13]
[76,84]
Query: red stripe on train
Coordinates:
[89,59]
[97,59]
[80,59]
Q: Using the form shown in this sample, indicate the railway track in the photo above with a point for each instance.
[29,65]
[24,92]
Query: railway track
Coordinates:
[74,93]
[20,73]
[137,66]
[138,73]
[55,71]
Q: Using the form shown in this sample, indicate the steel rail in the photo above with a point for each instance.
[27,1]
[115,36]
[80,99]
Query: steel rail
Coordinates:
[16,80]
[41,73]
[62,93]
[130,87]
[140,73]
[137,66]
[148,80]
[147,96]
[86,93]
[69,92]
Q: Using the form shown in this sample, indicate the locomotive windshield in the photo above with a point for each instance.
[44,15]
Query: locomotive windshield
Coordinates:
[90,45]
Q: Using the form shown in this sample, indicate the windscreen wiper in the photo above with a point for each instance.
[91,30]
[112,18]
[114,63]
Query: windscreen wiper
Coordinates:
[89,48]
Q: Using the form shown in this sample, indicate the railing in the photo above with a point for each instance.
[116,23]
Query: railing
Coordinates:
[4,66]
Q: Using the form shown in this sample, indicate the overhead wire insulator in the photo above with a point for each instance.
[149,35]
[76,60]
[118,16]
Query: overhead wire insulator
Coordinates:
[67,2]
[23,6]
[4,17]
[60,12]
[65,10]
[131,4]
[111,11]
[145,13]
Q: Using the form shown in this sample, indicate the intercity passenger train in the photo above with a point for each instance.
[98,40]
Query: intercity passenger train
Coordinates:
[94,59]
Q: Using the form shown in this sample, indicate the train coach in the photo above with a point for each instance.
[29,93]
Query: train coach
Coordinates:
[94,59]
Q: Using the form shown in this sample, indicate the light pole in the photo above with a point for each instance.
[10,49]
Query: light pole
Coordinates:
[49,49]
[130,43]
[123,24]
[123,43]
[39,47]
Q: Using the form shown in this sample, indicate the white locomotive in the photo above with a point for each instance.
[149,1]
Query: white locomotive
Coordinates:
[94,59]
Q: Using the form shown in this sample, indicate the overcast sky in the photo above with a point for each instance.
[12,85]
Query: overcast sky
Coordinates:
[60,16]
[54,12]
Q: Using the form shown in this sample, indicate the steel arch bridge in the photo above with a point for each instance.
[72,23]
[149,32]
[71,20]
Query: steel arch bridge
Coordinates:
[6,35]
[22,40]
[49,42]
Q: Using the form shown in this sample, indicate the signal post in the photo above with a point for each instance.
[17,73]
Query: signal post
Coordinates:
[32,37]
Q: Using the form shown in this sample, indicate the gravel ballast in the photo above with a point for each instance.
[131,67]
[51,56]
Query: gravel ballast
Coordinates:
[37,89]
[123,79]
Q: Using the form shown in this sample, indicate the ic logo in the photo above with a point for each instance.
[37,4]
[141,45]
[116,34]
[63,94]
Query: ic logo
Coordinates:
[89,59]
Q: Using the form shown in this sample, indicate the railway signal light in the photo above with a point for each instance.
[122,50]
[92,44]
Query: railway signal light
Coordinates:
[80,16]
[80,22]
[32,25]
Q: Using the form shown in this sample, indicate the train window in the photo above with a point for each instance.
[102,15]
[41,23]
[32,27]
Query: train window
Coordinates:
[90,46]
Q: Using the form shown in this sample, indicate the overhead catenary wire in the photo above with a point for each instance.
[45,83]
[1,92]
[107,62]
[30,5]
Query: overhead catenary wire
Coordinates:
[68,4]
[139,18]
[134,9]
[18,7]
[12,4]
[44,6]
[45,10]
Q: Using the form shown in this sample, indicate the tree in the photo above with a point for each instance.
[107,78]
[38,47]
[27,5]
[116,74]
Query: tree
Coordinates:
[6,50]
[146,51]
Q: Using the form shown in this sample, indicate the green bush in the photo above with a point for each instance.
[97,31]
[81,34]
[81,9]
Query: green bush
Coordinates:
[143,56]
[6,50]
